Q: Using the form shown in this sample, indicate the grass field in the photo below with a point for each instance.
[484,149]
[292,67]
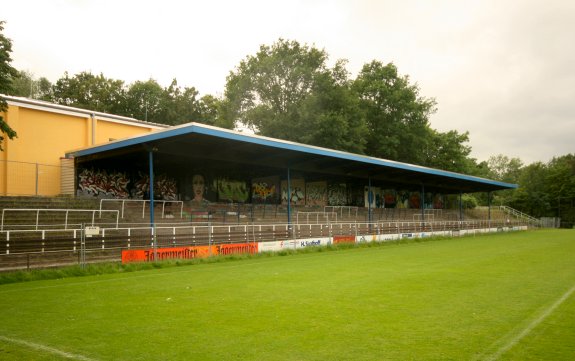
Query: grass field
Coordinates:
[504,296]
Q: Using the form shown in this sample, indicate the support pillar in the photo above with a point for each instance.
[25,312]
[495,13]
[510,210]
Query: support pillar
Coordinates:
[151,185]
[489,209]
[289,199]
[369,200]
[460,206]
[423,204]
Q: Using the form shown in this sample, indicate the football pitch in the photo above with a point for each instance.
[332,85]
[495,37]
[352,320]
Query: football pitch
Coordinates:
[506,296]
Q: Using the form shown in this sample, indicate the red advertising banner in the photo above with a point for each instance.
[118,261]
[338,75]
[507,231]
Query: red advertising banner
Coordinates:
[343,239]
[149,255]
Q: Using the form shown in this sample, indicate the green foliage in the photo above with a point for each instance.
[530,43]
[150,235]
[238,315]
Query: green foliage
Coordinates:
[7,74]
[287,91]
[25,85]
[396,115]
[469,201]
[144,100]
[88,91]
[448,151]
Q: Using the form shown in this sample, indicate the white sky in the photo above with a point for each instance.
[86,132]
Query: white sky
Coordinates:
[504,70]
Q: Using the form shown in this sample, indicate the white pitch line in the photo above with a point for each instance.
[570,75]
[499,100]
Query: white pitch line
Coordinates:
[530,327]
[39,347]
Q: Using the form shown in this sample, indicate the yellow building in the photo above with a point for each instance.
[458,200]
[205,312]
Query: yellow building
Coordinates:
[34,163]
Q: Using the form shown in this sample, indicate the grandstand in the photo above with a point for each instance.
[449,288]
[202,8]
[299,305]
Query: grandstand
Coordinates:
[195,185]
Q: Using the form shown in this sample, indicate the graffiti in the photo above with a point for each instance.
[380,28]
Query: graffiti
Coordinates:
[375,197]
[389,199]
[230,190]
[316,194]
[97,183]
[297,190]
[438,201]
[164,187]
[414,200]
[336,195]
[262,192]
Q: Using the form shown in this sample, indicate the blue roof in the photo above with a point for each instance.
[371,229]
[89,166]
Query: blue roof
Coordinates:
[186,130]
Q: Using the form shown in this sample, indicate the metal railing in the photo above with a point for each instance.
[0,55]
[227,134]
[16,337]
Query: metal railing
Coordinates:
[144,202]
[323,216]
[66,212]
[12,241]
[519,214]
[350,210]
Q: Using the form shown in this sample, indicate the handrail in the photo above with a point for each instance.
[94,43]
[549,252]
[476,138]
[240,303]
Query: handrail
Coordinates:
[143,205]
[37,210]
[137,237]
[518,214]
[326,216]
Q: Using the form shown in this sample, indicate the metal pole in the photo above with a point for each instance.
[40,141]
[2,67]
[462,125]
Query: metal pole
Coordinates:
[489,209]
[460,206]
[369,198]
[151,185]
[423,204]
[289,200]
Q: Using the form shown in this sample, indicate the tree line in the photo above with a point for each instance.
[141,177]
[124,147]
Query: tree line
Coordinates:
[287,90]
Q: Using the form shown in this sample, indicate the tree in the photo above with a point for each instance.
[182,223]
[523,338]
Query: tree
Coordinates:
[504,169]
[531,197]
[7,74]
[448,151]
[331,113]
[396,115]
[211,112]
[144,100]
[287,91]
[88,91]
[181,105]
[25,85]
[561,188]
[266,88]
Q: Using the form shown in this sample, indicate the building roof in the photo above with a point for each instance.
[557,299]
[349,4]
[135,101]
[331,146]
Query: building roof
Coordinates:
[85,113]
[253,150]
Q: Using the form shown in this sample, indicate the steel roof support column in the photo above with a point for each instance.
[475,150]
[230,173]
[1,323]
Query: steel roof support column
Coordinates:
[289,201]
[369,200]
[489,209]
[151,185]
[460,206]
[423,204]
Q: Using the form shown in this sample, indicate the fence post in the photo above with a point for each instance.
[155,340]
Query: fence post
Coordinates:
[209,237]
[83,246]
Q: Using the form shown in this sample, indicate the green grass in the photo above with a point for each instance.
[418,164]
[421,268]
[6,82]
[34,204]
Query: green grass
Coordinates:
[453,299]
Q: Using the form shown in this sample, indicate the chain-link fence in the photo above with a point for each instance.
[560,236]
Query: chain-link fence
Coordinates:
[33,179]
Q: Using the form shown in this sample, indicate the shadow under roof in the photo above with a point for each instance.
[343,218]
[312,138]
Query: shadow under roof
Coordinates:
[256,151]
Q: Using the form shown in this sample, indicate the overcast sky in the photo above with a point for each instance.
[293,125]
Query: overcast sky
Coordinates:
[502,70]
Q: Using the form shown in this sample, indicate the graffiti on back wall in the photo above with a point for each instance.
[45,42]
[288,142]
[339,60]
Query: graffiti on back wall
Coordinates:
[112,184]
[164,187]
[297,192]
[231,190]
[97,183]
[316,194]
[264,190]
[337,195]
